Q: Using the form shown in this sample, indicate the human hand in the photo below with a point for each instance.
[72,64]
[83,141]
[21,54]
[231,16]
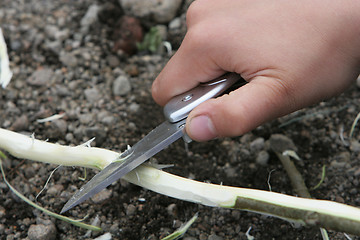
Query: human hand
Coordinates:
[292,53]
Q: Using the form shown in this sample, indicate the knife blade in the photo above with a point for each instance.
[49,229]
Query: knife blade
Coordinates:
[158,139]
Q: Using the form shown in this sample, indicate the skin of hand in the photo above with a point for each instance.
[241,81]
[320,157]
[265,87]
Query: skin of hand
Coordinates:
[292,53]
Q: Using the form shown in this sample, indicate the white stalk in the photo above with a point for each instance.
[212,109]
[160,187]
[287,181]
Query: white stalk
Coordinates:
[27,147]
[5,72]
[320,213]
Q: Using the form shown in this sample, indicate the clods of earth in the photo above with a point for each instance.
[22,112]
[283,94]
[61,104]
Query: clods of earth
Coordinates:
[81,58]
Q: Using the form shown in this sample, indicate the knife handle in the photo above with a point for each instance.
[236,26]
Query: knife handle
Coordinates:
[179,107]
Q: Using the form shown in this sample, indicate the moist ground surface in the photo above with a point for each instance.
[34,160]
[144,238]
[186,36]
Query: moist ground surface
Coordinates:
[60,68]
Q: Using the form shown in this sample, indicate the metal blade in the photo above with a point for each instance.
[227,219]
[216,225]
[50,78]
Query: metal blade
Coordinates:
[158,139]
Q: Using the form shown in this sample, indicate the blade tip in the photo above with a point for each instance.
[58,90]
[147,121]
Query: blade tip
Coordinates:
[66,208]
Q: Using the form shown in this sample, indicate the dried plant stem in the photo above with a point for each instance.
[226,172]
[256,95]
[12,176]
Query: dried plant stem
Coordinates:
[297,182]
[320,213]
[296,179]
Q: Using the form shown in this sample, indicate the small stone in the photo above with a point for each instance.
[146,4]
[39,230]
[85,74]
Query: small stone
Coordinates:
[134,107]
[26,221]
[41,77]
[132,70]
[113,61]
[42,232]
[92,94]
[15,45]
[90,17]
[69,137]
[236,214]
[79,132]
[57,129]
[54,46]
[130,210]
[257,145]
[106,236]
[121,86]
[55,190]
[337,164]
[230,171]
[203,236]
[55,33]
[21,123]
[68,59]
[172,209]
[61,90]
[114,228]
[85,54]
[355,146]
[98,132]
[86,118]
[102,114]
[132,125]
[177,224]
[10,237]
[214,237]
[343,157]
[280,143]
[161,11]
[357,173]
[102,196]
[74,84]
[175,23]
[262,158]
[108,120]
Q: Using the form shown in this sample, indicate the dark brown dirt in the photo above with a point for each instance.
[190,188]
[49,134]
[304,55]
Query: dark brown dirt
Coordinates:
[131,212]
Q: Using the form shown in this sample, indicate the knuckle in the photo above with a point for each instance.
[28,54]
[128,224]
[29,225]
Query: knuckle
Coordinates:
[196,9]
[197,38]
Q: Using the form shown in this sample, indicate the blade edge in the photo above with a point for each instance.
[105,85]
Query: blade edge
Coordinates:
[118,169]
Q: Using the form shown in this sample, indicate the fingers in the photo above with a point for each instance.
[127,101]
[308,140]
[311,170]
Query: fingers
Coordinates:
[291,59]
[202,55]
[190,65]
[259,101]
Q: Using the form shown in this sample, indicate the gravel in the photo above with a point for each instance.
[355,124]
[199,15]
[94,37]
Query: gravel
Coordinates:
[121,86]
[160,11]
[66,58]
[42,231]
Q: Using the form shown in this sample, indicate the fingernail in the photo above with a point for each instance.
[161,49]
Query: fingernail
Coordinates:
[201,128]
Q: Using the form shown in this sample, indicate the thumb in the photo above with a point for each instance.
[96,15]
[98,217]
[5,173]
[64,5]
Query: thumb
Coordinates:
[259,101]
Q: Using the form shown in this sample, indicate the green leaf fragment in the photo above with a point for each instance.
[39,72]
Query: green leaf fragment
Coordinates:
[322,178]
[151,41]
[2,155]
[52,214]
[182,230]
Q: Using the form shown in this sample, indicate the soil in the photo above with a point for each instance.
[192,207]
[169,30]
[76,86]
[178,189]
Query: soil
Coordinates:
[76,74]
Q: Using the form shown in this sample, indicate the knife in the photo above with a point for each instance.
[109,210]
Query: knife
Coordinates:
[176,112]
